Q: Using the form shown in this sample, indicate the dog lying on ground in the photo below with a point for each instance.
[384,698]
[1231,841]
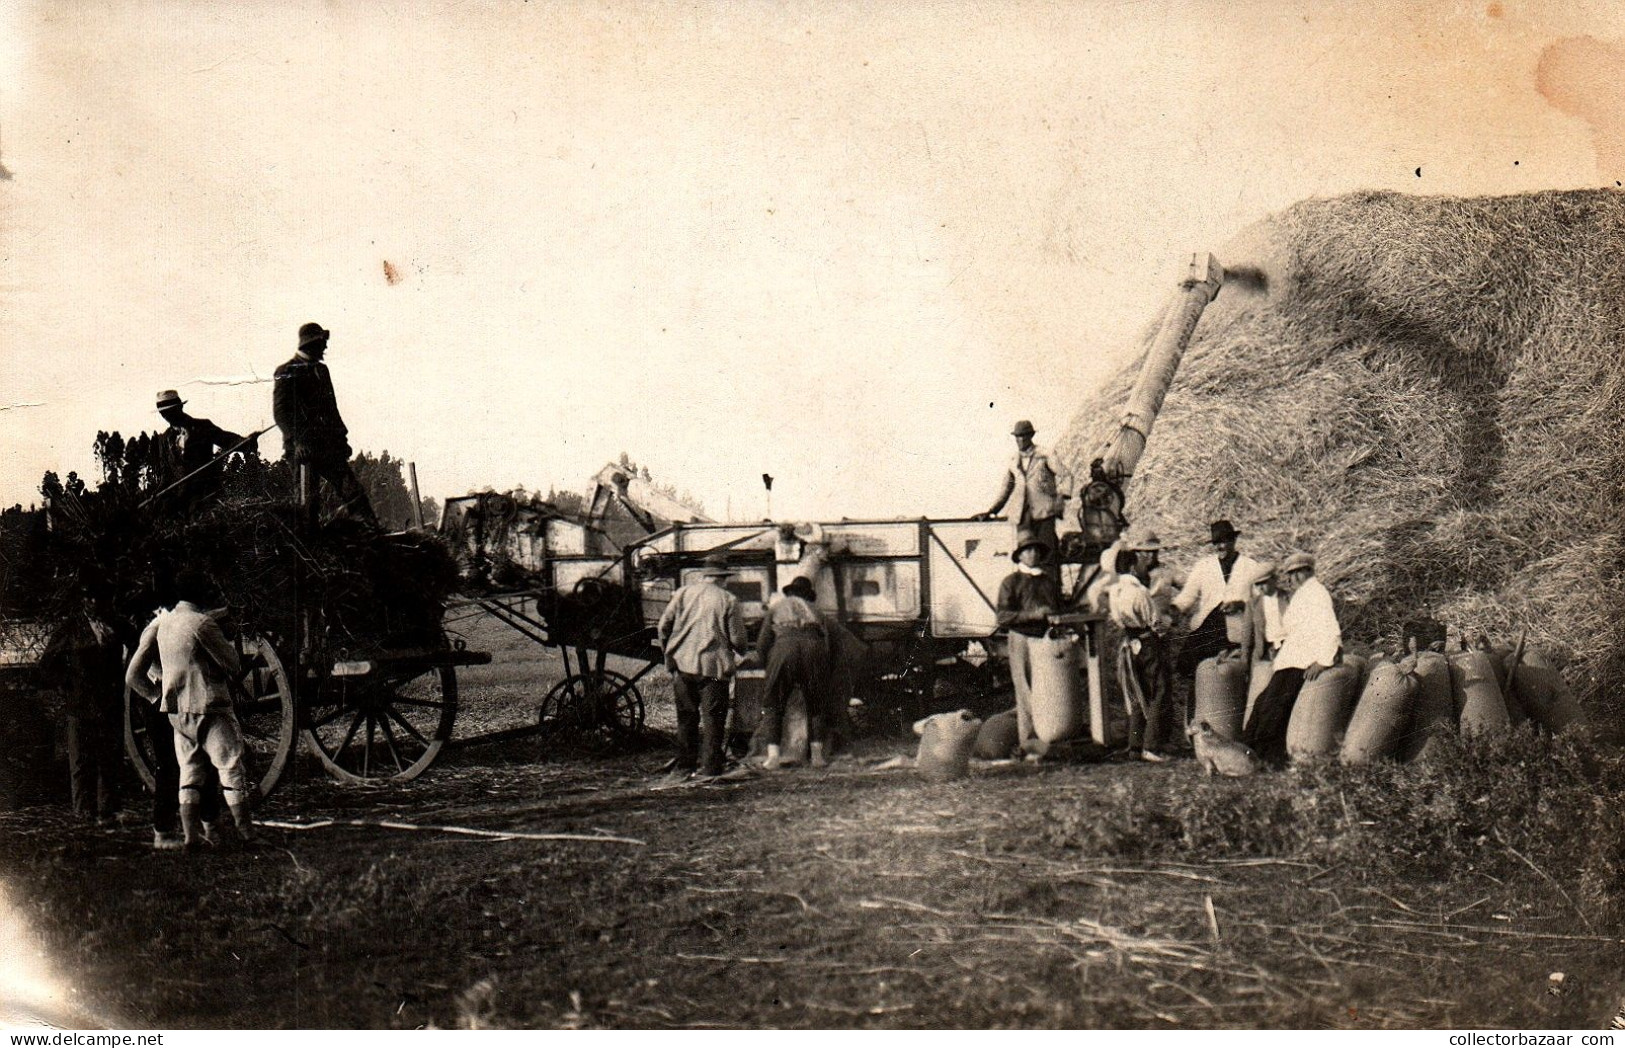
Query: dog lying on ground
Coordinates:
[1217,755]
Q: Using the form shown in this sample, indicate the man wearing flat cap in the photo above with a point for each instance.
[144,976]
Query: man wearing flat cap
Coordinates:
[313,434]
[1036,485]
[1215,596]
[1313,643]
[192,444]
[701,632]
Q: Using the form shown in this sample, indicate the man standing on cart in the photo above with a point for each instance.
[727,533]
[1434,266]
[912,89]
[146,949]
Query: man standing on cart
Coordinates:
[313,434]
[197,446]
[700,632]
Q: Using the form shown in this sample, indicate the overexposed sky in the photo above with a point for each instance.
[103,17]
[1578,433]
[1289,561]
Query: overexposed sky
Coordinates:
[845,244]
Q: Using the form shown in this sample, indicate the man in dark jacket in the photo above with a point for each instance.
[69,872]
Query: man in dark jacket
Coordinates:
[794,646]
[192,444]
[84,661]
[313,434]
[1027,598]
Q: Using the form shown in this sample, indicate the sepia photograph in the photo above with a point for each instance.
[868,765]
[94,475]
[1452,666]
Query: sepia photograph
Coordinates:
[909,515]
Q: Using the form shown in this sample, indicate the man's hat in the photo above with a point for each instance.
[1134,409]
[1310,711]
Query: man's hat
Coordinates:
[801,586]
[312,334]
[1029,538]
[716,564]
[169,399]
[1221,531]
[1299,561]
[1142,541]
[1265,573]
[1023,429]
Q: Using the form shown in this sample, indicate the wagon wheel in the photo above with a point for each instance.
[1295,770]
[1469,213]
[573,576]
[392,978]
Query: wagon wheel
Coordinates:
[262,697]
[905,689]
[602,705]
[388,725]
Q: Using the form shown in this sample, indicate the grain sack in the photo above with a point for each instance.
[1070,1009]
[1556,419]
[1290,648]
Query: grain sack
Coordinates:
[945,744]
[1236,628]
[998,738]
[796,738]
[1321,712]
[1550,700]
[1256,683]
[1057,690]
[1221,695]
[1434,709]
[1381,715]
[1477,693]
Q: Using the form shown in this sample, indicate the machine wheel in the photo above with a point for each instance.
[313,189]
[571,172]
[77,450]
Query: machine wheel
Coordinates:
[389,725]
[903,688]
[262,696]
[602,706]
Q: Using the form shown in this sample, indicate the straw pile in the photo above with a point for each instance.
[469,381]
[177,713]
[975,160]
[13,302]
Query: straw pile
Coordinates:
[1426,393]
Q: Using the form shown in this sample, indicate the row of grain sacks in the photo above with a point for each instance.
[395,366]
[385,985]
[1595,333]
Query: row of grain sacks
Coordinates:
[1369,709]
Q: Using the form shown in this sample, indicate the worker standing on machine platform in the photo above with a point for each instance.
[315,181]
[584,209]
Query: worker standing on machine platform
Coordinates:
[1037,486]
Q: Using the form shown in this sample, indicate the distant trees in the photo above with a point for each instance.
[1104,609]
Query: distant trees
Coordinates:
[569,503]
[384,477]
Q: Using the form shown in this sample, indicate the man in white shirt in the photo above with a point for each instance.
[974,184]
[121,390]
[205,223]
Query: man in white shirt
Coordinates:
[1147,548]
[195,663]
[1313,643]
[1265,631]
[1142,657]
[1218,587]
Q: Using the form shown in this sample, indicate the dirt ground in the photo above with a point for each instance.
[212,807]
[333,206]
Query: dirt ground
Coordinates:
[853,897]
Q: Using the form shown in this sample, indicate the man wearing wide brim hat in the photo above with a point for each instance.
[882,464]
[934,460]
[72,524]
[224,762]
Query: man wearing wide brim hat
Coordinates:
[1036,485]
[1313,643]
[1147,550]
[1215,598]
[1027,598]
[793,648]
[191,444]
[313,434]
[701,632]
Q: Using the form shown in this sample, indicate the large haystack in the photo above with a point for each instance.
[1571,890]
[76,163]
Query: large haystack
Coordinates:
[1426,392]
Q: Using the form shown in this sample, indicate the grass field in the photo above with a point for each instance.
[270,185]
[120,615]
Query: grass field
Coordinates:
[1111,895]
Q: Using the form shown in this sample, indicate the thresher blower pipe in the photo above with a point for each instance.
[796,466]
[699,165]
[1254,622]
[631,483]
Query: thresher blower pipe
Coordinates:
[1198,288]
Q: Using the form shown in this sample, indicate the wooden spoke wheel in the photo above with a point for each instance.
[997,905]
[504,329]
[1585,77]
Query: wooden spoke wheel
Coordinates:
[262,697]
[388,725]
[602,705]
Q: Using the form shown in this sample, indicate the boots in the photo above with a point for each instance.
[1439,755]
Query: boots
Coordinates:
[773,760]
[818,758]
[239,816]
[191,826]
